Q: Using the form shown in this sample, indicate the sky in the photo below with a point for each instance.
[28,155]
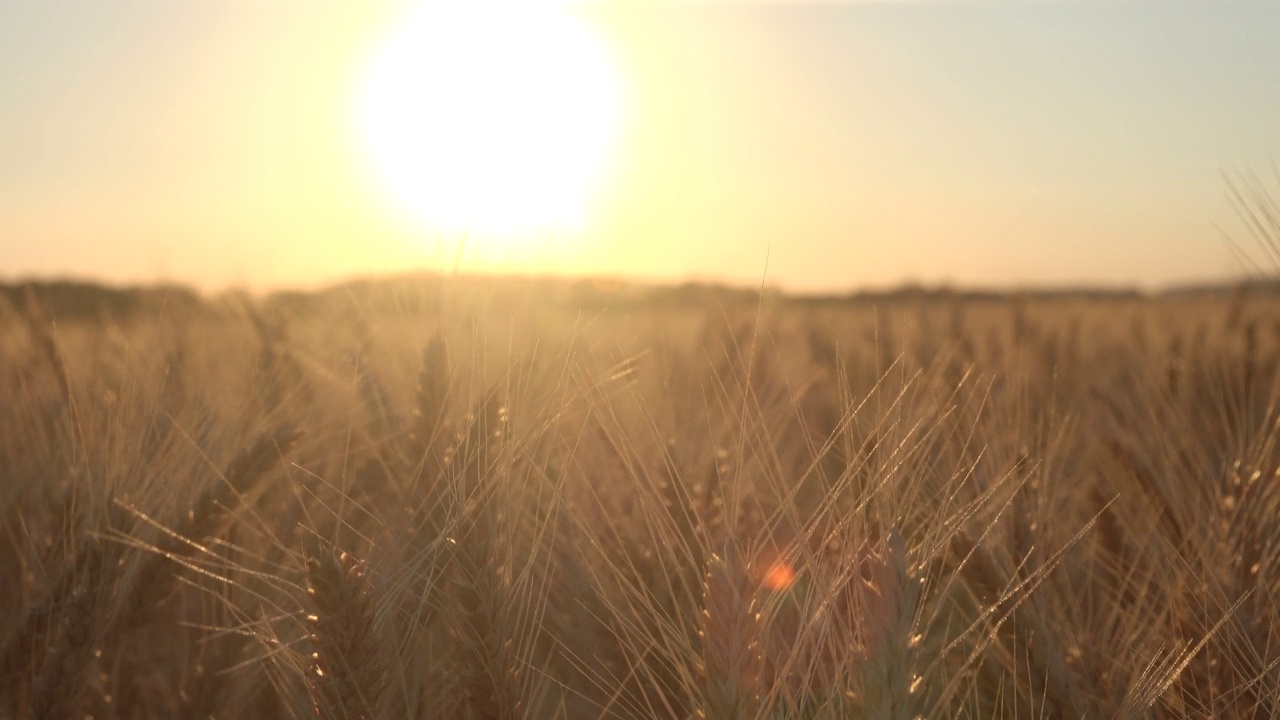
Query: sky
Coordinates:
[813,146]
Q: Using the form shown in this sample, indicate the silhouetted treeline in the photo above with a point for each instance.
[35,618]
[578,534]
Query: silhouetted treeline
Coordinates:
[418,293]
[73,300]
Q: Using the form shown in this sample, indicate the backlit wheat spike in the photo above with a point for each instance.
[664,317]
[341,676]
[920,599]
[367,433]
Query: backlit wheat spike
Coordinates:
[386,420]
[432,392]
[38,622]
[428,446]
[278,375]
[346,675]
[473,456]
[679,503]
[21,639]
[1047,655]
[488,673]
[58,685]
[730,636]
[154,577]
[888,685]
[483,656]
[242,475]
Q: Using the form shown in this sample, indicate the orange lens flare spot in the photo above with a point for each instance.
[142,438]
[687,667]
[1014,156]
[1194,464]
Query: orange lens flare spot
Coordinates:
[779,576]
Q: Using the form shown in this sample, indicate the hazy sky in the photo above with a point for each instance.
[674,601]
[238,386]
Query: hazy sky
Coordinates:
[817,145]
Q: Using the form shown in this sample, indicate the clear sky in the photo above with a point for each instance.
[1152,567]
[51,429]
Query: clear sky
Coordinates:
[816,145]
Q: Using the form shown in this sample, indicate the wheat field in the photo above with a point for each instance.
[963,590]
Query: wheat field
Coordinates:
[444,498]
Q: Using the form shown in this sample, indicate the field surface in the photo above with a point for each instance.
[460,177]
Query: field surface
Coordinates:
[452,498]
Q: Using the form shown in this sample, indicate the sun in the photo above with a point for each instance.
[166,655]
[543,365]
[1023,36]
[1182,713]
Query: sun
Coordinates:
[491,118]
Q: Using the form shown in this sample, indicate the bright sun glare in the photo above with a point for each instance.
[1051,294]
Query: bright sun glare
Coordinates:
[491,118]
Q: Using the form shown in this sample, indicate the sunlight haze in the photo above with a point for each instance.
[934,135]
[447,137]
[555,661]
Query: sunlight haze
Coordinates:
[810,145]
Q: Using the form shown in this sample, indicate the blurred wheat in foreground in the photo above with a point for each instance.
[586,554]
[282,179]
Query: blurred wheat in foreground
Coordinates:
[526,500]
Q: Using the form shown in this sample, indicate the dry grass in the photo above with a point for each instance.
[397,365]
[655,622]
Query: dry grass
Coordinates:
[529,500]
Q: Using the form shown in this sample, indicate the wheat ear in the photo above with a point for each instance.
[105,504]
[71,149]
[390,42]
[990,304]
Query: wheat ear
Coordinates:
[208,518]
[346,676]
[892,596]
[55,692]
[730,633]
